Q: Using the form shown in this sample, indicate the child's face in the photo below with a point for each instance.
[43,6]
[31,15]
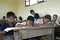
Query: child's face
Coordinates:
[54,18]
[11,19]
[46,21]
[29,23]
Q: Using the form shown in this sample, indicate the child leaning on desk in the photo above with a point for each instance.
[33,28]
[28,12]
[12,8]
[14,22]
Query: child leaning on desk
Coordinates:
[28,23]
[7,24]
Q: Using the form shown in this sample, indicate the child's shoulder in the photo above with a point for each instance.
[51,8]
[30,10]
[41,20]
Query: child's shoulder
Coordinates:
[4,23]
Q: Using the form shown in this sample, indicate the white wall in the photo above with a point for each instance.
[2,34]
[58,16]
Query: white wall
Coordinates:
[8,5]
[18,6]
[50,7]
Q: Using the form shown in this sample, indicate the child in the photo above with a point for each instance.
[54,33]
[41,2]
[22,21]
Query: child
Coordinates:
[28,22]
[38,20]
[32,12]
[46,22]
[8,23]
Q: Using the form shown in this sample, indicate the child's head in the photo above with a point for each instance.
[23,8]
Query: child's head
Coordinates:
[4,17]
[47,18]
[55,17]
[30,20]
[36,16]
[10,17]
[20,18]
[32,11]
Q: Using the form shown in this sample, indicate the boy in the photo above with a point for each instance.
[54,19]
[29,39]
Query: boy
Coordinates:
[32,12]
[28,22]
[46,21]
[8,23]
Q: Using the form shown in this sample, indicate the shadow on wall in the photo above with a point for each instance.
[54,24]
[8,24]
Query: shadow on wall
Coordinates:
[59,19]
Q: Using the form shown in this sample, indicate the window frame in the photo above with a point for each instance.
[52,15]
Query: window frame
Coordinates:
[33,4]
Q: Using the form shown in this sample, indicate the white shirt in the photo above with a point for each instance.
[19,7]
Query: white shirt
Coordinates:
[23,23]
[31,15]
[38,21]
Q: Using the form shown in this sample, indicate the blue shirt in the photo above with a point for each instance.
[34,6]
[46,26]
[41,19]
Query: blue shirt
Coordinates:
[6,25]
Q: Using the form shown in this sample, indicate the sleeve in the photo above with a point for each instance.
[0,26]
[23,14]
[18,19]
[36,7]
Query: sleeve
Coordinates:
[23,23]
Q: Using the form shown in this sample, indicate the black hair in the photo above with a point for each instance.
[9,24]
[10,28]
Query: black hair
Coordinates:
[31,10]
[55,15]
[36,15]
[9,14]
[4,17]
[20,18]
[31,18]
[15,17]
[47,17]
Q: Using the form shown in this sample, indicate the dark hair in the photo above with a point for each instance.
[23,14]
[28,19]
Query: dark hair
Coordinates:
[30,18]
[31,10]
[20,18]
[47,17]
[15,17]
[36,15]
[4,17]
[55,15]
[9,14]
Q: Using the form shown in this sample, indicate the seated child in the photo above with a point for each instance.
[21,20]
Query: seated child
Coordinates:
[8,23]
[46,21]
[28,22]
[37,19]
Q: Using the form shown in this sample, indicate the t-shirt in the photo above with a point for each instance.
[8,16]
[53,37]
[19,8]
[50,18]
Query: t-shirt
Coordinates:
[31,15]
[6,25]
[38,21]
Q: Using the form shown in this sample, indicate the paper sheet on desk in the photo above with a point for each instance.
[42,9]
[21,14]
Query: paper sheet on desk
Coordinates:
[8,29]
[12,28]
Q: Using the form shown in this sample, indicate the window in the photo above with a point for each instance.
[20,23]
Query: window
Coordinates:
[27,2]
[32,2]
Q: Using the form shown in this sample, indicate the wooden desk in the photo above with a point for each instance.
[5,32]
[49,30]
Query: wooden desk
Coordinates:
[57,29]
[1,37]
[29,32]
[57,32]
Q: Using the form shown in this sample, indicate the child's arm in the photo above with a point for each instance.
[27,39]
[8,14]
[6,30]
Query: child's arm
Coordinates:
[2,32]
[20,24]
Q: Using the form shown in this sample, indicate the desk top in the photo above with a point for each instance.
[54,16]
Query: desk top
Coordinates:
[29,32]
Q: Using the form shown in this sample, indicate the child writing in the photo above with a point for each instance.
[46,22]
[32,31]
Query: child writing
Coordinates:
[9,23]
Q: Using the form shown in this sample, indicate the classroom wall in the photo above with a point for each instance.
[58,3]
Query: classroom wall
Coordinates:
[49,7]
[8,5]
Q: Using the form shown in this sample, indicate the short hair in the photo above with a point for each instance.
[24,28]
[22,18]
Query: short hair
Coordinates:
[20,18]
[31,18]
[4,17]
[16,17]
[55,15]
[48,17]
[36,15]
[9,14]
[31,10]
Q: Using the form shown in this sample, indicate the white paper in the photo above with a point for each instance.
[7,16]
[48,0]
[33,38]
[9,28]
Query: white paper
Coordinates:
[12,28]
